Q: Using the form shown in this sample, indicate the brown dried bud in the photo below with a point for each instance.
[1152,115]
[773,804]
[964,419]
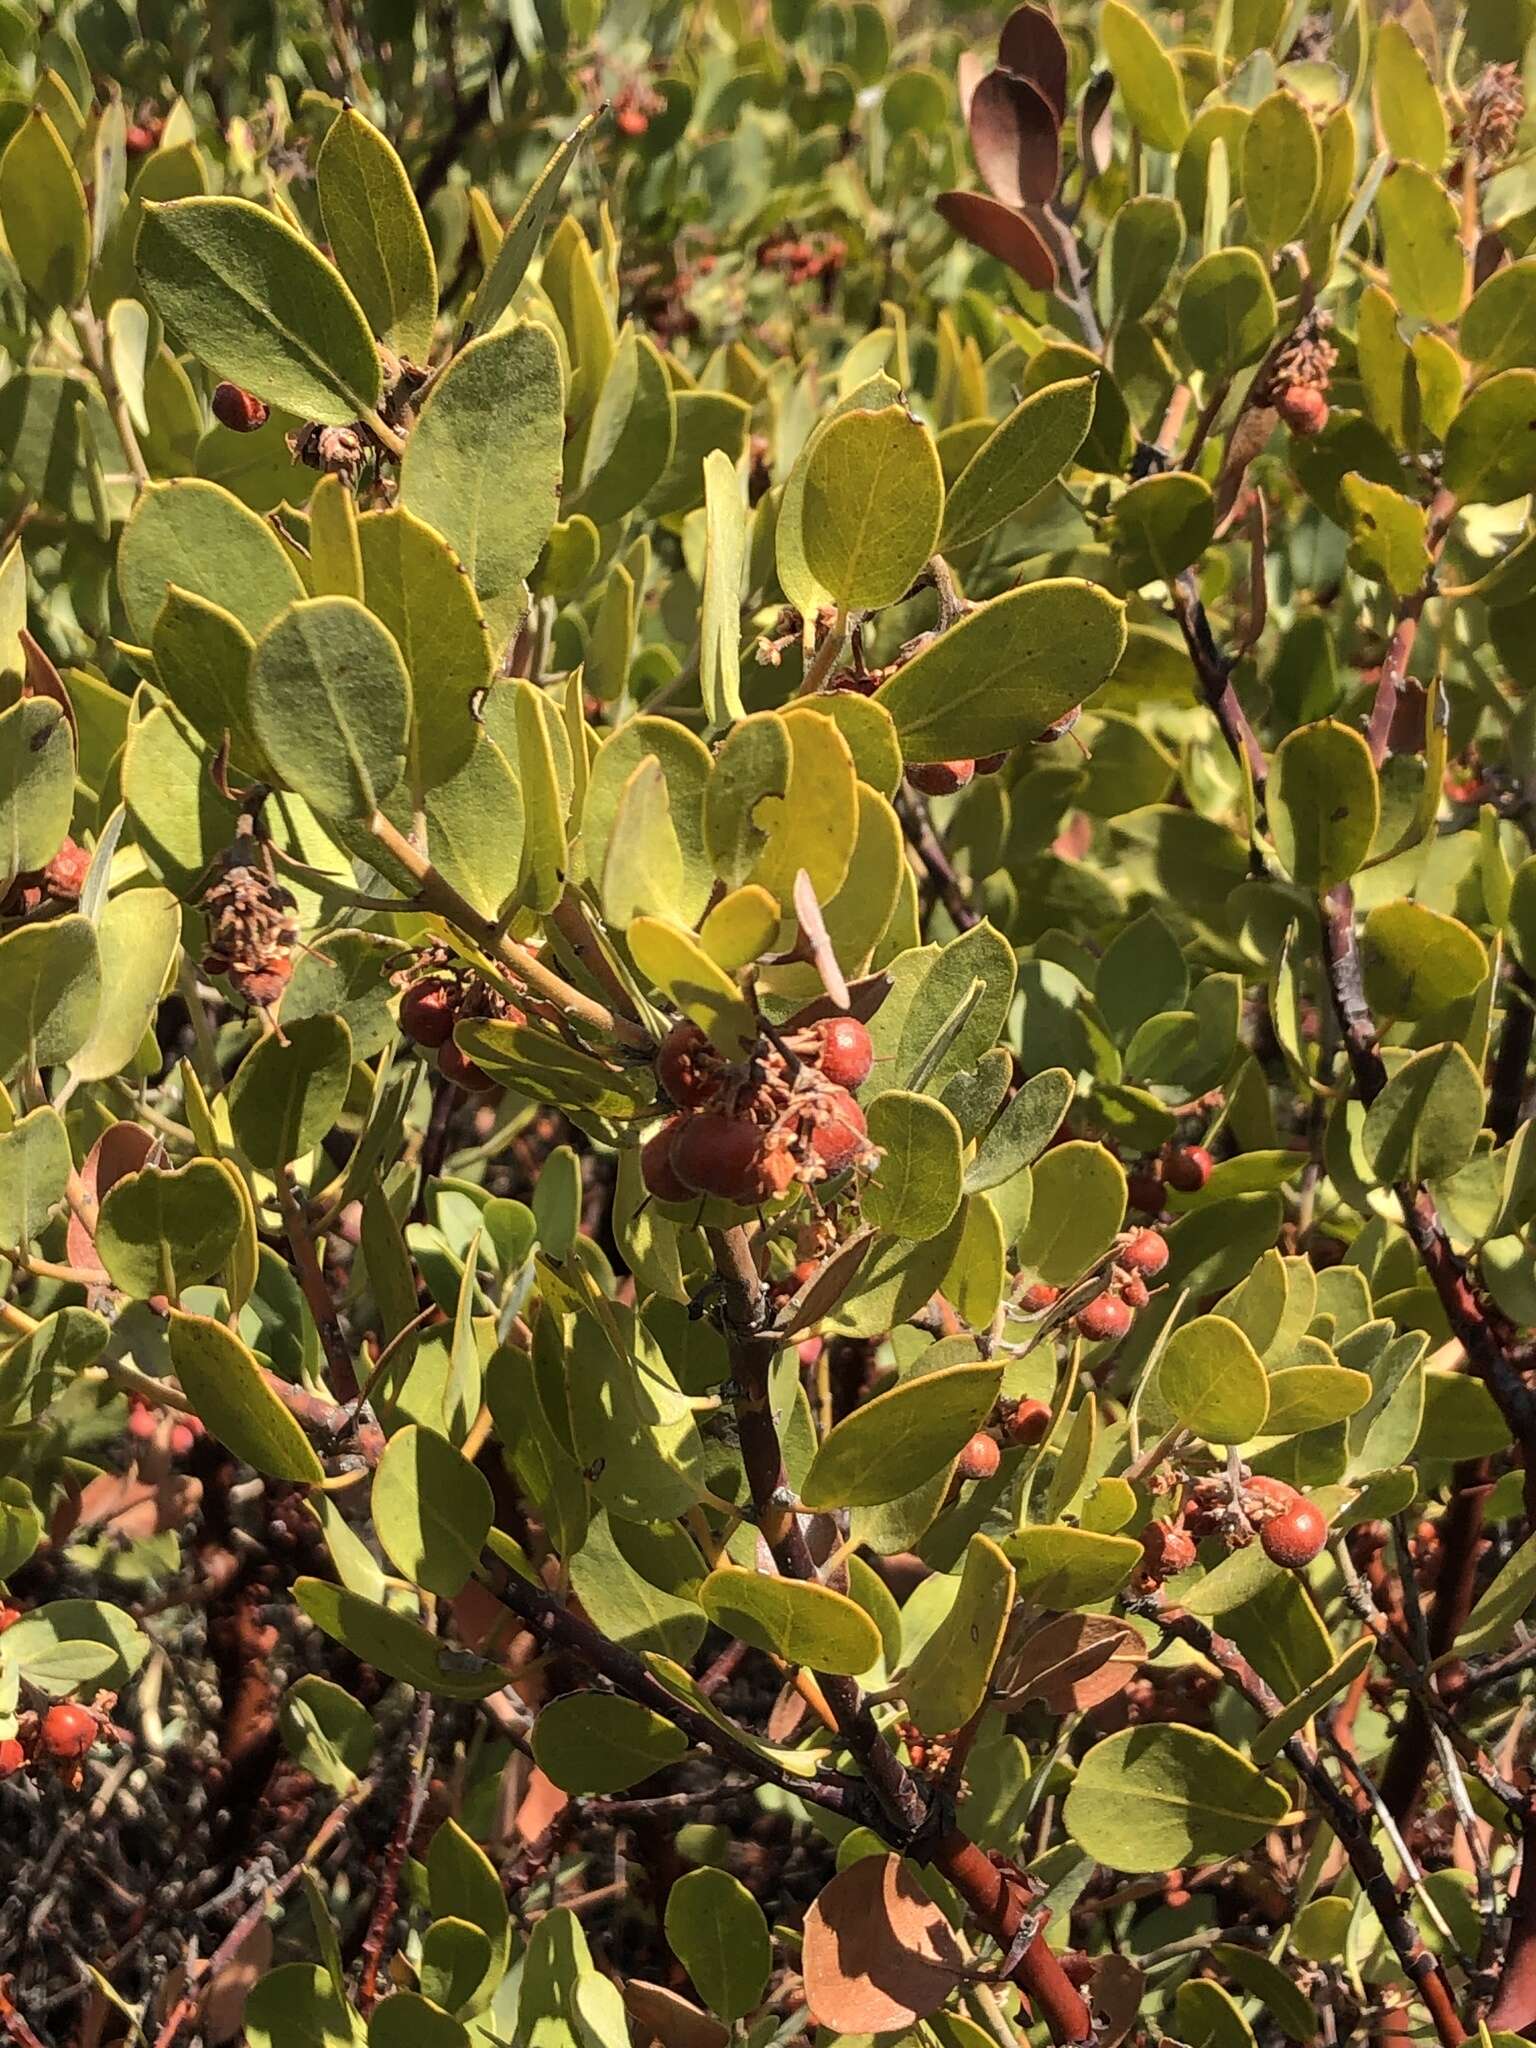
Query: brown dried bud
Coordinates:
[253,930]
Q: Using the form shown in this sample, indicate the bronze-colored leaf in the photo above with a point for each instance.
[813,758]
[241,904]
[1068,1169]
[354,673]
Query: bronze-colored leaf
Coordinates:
[969,73]
[1076,1662]
[879,1954]
[1015,138]
[1095,125]
[662,2016]
[989,225]
[120,1150]
[826,1287]
[1114,1992]
[1032,45]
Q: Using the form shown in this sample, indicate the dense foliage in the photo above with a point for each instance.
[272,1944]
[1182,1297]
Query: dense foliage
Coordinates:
[767,955]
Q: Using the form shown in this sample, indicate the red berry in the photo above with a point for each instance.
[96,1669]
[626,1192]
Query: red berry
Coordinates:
[1187,1168]
[980,1458]
[9,1616]
[68,1731]
[1041,1296]
[630,121]
[940,778]
[13,1757]
[1030,1423]
[182,1440]
[1166,1548]
[840,1136]
[64,876]
[1303,408]
[1265,1496]
[143,136]
[1295,1538]
[1133,1292]
[454,1064]
[1147,1253]
[989,764]
[428,1010]
[241,411]
[1145,1191]
[1104,1317]
[687,1066]
[656,1168]
[720,1155]
[847,1052]
[141,1422]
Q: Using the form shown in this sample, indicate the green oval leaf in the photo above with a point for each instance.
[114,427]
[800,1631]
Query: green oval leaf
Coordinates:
[1006,671]
[803,1623]
[1154,1798]
[915,1190]
[1424,1123]
[1324,803]
[1019,460]
[432,1510]
[377,235]
[717,1931]
[482,465]
[596,1742]
[284,1098]
[242,290]
[1213,1380]
[225,1386]
[874,497]
[891,1444]
[330,705]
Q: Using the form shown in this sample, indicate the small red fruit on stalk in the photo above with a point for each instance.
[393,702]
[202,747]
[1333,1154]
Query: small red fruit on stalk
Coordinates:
[656,1169]
[428,1010]
[1187,1168]
[13,1757]
[980,1458]
[9,1616]
[1303,408]
[847,1052]
[1145,1191]
[1030,1423]
[64,876]
[840,1137]
[1166,1548]
[1146,1254]
[940,778]
[68,1732]
[683,1066]
[455,1065]
[1133,1292]
[239,410]
[722,1156]
[1103,1318]
[1040,1296]
[1294,1538]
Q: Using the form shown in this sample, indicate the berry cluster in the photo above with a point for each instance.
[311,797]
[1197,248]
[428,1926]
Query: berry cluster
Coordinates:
[438,993]
[745,1132]
[1291,1529]
[144,1426]
[930,1754]
[802,258]
[60,882]
[253,932]
[1297,383]
[1140,1257]
[1184,1168]
[64,1735]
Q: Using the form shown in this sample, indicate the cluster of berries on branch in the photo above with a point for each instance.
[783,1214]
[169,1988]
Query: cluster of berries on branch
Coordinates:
[440,992]
[746,1131]
[1184,1168]
[62,1735]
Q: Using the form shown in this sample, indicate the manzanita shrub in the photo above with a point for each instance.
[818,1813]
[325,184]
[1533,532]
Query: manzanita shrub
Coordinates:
[766,1000]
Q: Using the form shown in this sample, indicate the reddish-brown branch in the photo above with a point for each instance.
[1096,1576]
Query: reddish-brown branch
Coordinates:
[1351,1827]
[1484,1333]
[905,1814]
[1514,2005]
[381,1919]
[1215,675]
[1394,668]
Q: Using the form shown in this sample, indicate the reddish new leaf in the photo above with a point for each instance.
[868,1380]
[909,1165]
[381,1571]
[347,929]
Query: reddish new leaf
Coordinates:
[878,1953]
[1016,139]
[997,229]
